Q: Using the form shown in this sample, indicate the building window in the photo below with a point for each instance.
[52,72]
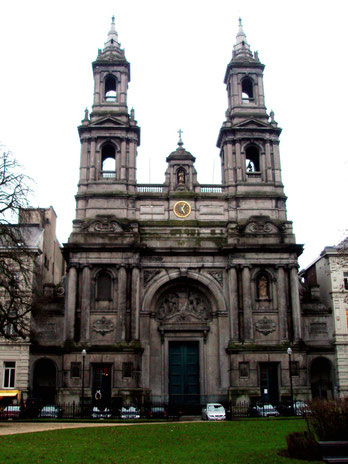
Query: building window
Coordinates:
[252,159]
[247,90]
[9,374]
[127,370]
[108,161]
[104,286]
[110,89]
[345,280]
[244,370]
[75,370]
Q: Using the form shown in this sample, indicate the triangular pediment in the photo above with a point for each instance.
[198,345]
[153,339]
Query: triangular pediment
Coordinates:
[108,121]
[253,123]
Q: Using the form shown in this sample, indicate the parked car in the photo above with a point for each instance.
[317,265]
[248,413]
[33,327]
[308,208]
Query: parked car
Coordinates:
[157,412]
[11,412]
[50,411]
[213,411]
[263,410]
[130,412]
[299,408]
[98,413]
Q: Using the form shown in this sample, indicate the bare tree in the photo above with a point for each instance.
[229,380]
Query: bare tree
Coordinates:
[17,260]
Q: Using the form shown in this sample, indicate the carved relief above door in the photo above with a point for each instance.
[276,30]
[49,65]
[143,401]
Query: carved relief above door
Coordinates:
[183,304]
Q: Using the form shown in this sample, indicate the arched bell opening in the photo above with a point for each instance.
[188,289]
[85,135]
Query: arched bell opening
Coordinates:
[108,161]
[110,94]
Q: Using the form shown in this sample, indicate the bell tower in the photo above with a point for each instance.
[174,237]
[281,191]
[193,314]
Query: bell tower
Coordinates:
[249,137]
[109,136]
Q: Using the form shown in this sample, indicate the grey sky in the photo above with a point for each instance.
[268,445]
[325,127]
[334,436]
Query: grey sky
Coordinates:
[178,53]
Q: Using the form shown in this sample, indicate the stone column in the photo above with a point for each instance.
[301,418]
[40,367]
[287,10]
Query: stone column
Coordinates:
[277,171]
[70,307]
[83,160]
[295,303]
[239,161]
[269,177]
[233,297]
[132,160]
[122,296]
[247,309]
[85,303]
[123,160]
[282,306]
[135,302]
[93,162]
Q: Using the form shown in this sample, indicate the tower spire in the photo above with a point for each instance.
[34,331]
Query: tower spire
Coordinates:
[112,41]
[241,49]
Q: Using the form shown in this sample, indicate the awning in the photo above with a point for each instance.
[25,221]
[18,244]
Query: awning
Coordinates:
[9,393]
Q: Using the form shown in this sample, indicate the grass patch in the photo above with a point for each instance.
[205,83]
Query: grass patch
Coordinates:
[239,442]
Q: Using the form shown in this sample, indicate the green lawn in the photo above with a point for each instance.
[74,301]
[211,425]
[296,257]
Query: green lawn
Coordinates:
[237,442]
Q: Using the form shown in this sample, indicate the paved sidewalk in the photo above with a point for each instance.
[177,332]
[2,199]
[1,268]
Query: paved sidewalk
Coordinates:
[12,428]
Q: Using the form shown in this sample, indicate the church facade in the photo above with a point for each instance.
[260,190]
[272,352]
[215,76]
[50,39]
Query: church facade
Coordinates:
[180,291]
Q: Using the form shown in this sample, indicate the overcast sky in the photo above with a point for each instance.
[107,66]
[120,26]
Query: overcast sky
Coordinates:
[178,52]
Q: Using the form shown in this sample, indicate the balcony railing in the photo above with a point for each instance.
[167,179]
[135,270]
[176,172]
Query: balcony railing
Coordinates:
[152,188]
[108,174]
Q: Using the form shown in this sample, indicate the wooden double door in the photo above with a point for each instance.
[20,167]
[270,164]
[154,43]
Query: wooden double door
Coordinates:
[184,384]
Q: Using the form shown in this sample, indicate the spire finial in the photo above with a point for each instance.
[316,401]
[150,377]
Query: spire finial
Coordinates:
[180,143]
[241,48]
[112,36]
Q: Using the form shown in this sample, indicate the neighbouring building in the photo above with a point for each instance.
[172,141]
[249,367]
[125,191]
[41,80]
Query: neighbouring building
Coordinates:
[327,276]
[179,291]
[44,268]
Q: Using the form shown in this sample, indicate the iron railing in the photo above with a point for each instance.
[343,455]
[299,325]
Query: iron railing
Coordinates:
[155,408]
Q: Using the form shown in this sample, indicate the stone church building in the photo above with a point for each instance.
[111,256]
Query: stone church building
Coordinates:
[180,291]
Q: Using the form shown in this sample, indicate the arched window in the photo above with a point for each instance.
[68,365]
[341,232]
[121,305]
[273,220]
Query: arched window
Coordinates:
[247,89]
[262,287]
[104,286]
[252,159]
[110,89]
[108,161]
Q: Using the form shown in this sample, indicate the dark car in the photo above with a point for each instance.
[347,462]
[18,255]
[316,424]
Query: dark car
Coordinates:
[157,412]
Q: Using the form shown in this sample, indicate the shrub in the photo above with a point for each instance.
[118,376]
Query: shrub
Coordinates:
[302,445]
[329,419]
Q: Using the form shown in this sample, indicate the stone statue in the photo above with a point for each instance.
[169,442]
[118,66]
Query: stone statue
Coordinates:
[262,288]
[181,177]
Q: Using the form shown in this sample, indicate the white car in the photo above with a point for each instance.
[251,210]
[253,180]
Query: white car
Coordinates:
[101,413]
[300,408]
[264,410]
[130,412]
[51,411]
[213,411]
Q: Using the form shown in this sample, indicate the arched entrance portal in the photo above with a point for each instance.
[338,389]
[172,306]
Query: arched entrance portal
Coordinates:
[44,384]
[183,312]
[321,378]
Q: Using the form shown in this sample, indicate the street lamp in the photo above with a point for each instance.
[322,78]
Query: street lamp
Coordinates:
[84,352]
[289,351]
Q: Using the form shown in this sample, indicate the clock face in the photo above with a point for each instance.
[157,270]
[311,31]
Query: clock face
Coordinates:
[182,209]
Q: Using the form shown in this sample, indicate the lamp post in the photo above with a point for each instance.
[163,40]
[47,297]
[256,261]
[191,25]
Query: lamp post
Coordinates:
[84,352]
[289,351]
